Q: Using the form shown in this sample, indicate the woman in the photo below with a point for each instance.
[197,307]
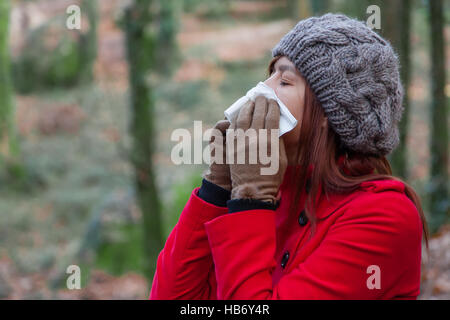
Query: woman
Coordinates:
[332,223]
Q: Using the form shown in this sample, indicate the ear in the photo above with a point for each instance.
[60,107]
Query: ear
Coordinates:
[324,122]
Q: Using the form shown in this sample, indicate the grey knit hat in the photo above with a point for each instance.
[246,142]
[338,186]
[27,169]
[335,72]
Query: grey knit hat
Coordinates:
[354,74]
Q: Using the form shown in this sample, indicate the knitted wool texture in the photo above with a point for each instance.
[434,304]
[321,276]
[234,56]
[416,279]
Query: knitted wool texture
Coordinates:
[354,74]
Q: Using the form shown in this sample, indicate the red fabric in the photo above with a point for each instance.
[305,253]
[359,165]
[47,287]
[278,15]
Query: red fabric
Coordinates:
[211,254]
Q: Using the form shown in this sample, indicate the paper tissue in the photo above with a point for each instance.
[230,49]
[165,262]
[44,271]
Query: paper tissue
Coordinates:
[287,120]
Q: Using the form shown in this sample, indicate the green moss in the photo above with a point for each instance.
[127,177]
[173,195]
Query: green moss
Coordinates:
[124,253]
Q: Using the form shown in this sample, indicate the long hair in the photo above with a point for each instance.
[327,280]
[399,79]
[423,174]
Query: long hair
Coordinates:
[322,147]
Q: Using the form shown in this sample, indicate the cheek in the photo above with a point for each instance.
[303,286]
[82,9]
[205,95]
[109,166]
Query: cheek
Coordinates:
[294,102]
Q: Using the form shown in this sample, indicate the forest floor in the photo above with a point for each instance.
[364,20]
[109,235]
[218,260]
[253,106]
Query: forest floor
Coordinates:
[76,142]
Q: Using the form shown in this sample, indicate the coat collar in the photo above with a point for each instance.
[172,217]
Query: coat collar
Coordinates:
[327,204]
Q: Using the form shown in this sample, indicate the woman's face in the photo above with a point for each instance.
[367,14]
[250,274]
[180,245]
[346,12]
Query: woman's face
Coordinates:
[289,86]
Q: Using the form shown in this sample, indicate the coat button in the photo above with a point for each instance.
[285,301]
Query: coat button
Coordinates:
[285,259]
[302,219]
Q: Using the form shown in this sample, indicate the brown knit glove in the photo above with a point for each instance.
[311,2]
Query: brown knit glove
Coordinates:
[217,173]
[248,182]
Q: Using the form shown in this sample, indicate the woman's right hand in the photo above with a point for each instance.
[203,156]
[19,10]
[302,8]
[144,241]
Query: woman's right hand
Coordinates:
[219,173]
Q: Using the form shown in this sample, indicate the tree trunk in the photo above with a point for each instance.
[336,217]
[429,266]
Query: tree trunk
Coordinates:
[9,148]
[353,8]
[140,44]
[88,45]
[439,202]
[168,54]
[299,9]
[396,19]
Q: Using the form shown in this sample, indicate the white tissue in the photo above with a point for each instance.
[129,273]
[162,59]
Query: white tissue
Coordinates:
[287,120]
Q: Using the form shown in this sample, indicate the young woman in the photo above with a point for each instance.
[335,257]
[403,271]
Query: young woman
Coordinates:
[332,223]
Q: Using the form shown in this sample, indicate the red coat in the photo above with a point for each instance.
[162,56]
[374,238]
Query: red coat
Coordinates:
[211,254]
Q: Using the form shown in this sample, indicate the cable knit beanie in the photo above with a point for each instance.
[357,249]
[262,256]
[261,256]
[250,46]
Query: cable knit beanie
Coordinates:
[354,74]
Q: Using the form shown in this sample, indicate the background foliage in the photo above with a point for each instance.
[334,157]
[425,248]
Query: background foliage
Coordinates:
[72,198]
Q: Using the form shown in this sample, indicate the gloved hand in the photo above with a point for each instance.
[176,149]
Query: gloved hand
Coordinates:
[217,173]
[247,180]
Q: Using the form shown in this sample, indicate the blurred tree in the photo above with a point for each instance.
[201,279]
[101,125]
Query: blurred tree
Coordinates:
[9,147]
[299,9]
[88,41]
[43,64]
[141,44]
[439,201]
[402,43]
[320,7]
[352,8]
[207,9]
[168,54]
[67,60]
[396,28]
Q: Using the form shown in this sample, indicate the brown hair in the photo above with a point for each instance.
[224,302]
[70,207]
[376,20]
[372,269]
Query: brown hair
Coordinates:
[314,144]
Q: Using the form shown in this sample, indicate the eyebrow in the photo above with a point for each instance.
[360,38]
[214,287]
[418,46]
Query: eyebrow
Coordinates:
[285,67]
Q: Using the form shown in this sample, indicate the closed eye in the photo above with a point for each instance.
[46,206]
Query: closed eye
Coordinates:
[282,83]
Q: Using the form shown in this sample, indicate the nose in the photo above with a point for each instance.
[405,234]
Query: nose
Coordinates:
[270,82]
